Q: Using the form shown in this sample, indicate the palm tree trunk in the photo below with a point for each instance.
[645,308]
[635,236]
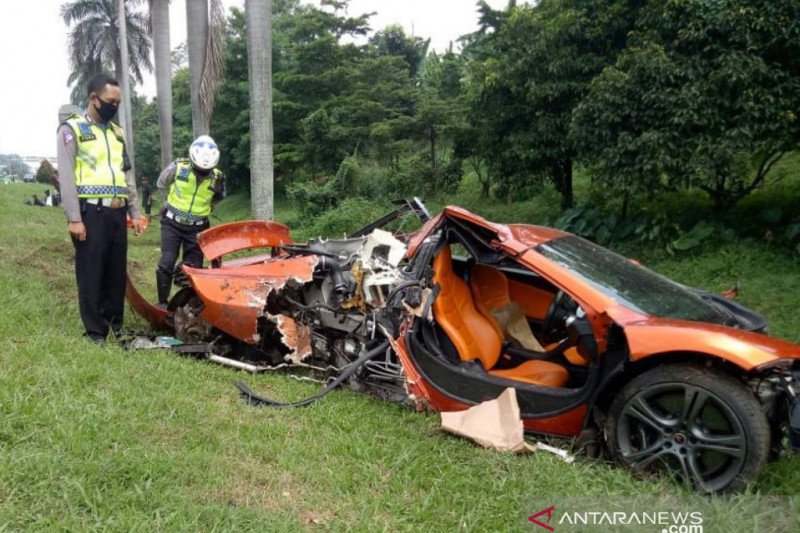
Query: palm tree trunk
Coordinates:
[196,43]
[126,116]
[159,21]
[259,64]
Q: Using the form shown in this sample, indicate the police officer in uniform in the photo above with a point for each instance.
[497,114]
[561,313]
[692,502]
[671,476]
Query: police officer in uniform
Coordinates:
[97,192]
[193,185]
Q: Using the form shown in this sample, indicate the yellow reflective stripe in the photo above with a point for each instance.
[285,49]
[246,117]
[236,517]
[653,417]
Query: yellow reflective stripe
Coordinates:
[87,159]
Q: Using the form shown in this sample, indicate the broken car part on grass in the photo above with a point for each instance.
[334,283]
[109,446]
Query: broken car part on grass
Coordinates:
[597,348]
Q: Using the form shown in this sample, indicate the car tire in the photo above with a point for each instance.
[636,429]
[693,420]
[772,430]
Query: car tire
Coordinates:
[699,422]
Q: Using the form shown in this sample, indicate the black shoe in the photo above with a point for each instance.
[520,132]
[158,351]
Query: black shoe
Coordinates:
[96,339]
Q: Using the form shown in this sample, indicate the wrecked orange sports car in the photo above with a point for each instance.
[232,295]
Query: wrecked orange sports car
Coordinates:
[656,374]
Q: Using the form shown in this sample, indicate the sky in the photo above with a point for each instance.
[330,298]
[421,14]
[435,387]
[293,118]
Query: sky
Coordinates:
[34,66]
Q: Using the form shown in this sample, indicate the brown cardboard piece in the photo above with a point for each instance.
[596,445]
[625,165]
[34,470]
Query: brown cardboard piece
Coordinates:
[496,424]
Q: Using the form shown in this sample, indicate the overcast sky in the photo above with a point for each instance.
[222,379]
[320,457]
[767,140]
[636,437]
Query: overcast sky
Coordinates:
[34,67]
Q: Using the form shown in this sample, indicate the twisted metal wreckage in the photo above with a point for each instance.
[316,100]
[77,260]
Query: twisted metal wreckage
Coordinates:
[596,347]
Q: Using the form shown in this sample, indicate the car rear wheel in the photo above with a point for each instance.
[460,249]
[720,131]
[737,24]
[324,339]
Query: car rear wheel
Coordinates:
[699,423]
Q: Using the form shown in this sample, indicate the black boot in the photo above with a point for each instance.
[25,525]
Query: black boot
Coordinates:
[163,285]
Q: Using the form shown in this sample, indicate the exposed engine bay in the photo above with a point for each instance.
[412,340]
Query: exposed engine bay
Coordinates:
[322,305]
[351,298]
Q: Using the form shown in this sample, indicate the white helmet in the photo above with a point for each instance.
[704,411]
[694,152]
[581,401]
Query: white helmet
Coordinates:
[204,153]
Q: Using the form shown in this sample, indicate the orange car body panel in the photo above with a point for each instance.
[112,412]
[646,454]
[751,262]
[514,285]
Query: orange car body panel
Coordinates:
[238,236]
[235,298]
[156,316]
[745,349]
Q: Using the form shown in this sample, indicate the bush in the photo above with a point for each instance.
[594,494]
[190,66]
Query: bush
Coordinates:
[349,216]
[316,198]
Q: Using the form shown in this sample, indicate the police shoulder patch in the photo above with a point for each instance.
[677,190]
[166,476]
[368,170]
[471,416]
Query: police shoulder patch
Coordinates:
[85,132]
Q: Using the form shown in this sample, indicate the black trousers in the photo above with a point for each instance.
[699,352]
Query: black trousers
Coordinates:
[174,237]
[100,263]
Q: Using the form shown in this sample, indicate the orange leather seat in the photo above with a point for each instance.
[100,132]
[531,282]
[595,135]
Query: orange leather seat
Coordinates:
[475,335]
[489,291]
[492,290]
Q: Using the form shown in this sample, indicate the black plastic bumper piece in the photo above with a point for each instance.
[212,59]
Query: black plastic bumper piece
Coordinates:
[794,425]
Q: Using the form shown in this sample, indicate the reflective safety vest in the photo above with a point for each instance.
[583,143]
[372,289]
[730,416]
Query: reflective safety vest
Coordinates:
[99,159]
[188,197]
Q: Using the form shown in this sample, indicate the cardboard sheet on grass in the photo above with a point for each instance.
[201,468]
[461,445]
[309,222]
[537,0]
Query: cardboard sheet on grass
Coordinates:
[496,424]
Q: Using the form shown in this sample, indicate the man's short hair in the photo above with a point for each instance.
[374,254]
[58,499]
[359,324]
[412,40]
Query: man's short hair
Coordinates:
[98,83]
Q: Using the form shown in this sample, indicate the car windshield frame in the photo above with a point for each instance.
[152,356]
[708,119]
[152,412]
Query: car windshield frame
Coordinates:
[628,283]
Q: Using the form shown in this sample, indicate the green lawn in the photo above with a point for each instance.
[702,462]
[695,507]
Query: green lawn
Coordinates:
[103,439]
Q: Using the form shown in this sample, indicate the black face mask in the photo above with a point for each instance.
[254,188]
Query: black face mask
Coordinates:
[107,110]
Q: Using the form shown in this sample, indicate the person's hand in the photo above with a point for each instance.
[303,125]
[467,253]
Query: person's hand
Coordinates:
[77,230]
[138,227]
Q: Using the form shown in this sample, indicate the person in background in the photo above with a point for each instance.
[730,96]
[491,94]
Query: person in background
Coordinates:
[147,197]
[97,191]
[193,185]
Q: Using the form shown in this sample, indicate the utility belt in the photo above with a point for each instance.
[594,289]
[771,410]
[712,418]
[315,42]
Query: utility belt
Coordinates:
[184,218]
[111,203]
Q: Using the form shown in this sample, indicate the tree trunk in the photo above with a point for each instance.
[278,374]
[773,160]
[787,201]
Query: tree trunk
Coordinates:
[562,179]
[196,43]
[259,65]
[159,21]
[432,134]
[126,115]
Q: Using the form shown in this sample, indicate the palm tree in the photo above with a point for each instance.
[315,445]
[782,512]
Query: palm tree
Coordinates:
[206,47]
[126,115]
[79,79]
[94,39]
[159,24]
[103,32]
[259,66]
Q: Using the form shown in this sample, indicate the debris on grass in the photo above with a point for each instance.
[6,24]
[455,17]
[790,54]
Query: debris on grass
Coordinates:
[496,424]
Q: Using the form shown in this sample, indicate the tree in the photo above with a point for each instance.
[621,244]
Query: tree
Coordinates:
[148,144]
[159,25]
[259,55]
[527,76]
[125,113]
[706,96]
[94,43]
[206,50]
[14,164]
[46,173]
[393,41]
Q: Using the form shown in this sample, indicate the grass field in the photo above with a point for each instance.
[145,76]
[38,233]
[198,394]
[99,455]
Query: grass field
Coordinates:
[97,438]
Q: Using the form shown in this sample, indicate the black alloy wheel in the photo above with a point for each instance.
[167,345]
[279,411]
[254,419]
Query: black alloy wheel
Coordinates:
[697,422]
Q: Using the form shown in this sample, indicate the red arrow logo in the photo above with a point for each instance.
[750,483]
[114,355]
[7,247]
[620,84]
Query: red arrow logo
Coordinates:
[549,513]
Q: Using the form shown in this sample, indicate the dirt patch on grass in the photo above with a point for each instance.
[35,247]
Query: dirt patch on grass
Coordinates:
[54,263]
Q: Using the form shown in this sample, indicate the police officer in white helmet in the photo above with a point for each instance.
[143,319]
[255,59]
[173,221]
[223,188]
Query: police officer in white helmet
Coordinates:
[193,185]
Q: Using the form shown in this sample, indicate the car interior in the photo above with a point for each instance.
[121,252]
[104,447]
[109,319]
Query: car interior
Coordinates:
[495,317]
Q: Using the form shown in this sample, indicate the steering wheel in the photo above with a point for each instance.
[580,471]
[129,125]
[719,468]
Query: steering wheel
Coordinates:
[549,318]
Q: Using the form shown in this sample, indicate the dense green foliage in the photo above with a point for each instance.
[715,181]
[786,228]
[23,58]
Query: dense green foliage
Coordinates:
[707,94]
[633,100]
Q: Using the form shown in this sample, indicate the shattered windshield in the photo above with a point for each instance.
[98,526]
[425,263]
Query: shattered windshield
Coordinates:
[629,284]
